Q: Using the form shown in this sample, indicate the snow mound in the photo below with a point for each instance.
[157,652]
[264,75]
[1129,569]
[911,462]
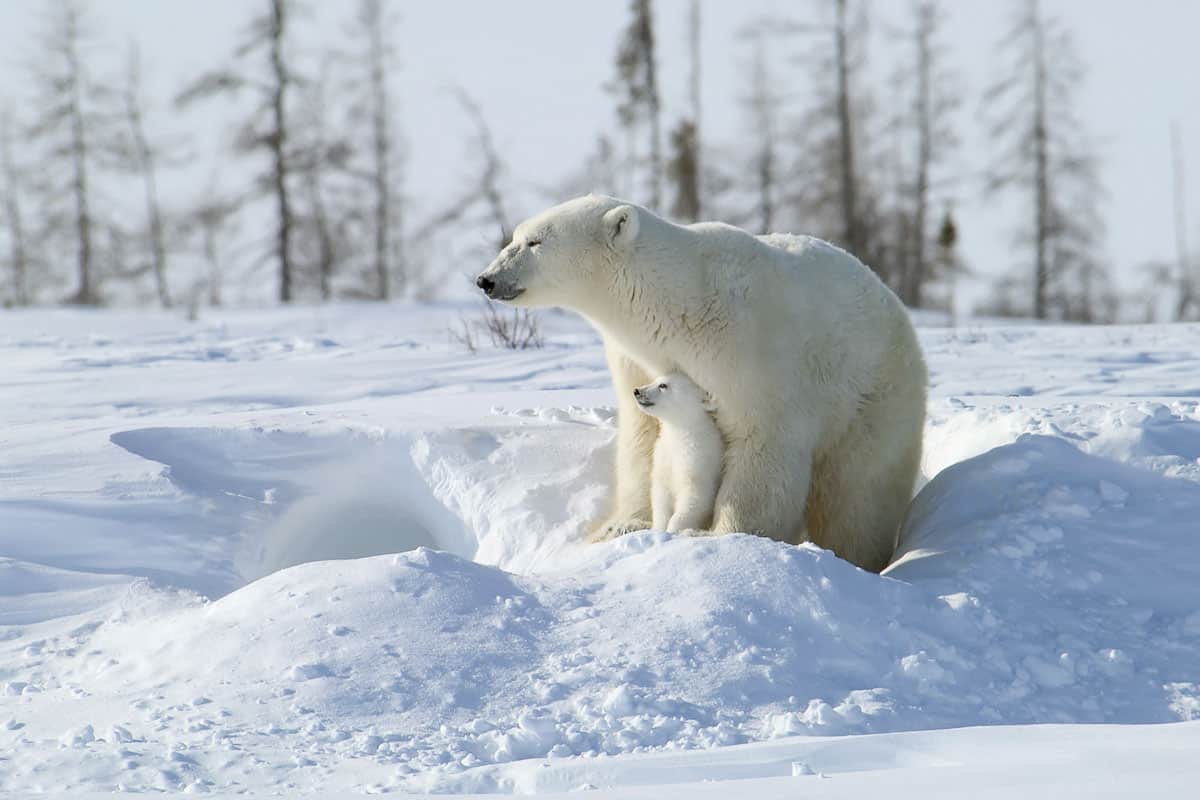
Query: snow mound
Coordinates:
[1163,437]
[1036,583]
[1078,571]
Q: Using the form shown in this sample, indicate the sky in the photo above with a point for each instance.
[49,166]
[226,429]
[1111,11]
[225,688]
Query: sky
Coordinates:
[538,67]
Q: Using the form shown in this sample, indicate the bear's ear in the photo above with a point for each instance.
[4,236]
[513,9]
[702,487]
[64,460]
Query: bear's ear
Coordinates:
[620,227]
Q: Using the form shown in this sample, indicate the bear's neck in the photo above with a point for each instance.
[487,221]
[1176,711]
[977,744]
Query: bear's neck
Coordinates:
[655,302]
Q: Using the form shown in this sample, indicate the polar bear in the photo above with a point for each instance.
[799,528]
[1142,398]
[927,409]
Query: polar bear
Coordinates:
[812,362]
[687,454]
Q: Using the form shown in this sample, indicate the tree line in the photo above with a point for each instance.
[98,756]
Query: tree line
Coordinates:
[318,148]
[870,164]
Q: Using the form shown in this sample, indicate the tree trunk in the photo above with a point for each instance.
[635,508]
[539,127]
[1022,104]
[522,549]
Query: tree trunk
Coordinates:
[326,252]
[694,88]
[763,118]
[146,166]
[653,109]
[850,224]
[212,256]
[13,216]
[278,145]
[1041,167]
[381,147]
[85,294]
[766,188]
[917,266]
[1187,280]
[157,239]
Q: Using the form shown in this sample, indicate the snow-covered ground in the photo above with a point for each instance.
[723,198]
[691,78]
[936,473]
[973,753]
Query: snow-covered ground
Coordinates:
[158,475]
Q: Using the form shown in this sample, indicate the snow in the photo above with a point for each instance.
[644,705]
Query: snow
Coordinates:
[328,550]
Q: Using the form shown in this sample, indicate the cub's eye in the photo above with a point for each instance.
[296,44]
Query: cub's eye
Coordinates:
[533,242]
[662,386]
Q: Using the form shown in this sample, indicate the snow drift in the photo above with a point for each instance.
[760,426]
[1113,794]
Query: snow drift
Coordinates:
[464,628]
[1020,596]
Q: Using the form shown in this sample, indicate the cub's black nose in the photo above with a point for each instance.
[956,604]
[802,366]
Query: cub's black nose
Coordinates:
[485,283]
[637,392]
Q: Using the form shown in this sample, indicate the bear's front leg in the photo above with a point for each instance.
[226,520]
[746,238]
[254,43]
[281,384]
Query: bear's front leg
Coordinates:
[636,435]
[764,487]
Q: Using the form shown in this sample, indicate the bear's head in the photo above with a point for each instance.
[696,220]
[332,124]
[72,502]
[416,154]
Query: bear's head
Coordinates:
[561,255]
[673,397]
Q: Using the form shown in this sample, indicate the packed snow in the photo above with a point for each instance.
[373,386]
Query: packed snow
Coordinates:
[330,549]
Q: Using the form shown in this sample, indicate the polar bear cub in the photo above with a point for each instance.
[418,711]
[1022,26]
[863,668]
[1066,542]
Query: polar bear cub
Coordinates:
[687,455]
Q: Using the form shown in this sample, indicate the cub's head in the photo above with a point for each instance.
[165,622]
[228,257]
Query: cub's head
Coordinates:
[562,256]
[672,397]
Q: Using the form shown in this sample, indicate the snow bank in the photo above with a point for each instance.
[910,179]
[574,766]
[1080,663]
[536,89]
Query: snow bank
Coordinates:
[1036,584]
[168,620]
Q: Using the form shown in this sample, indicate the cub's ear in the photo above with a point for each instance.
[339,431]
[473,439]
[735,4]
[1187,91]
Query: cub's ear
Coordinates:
[620,227]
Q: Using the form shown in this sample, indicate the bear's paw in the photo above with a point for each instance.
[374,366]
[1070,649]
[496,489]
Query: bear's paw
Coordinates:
[612,528]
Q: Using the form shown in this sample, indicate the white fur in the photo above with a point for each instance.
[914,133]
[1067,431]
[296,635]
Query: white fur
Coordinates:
[812,362]
[687,454]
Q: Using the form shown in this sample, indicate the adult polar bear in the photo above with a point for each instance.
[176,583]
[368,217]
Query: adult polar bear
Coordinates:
[812,362]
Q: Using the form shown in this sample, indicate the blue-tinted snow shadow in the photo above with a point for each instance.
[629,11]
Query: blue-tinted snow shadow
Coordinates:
[269,500]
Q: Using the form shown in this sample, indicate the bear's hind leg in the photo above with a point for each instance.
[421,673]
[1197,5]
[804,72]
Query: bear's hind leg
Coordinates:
[862,489]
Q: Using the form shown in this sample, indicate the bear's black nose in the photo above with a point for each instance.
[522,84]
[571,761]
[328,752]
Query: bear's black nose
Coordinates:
[485,283]
[637,392]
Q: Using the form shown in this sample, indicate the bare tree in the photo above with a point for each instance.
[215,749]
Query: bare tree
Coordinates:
[1030,106]
[215,219]
[852,233]
[276,139]
[373,29]
[926,13]
[1168,287]
[637,89]
[694,39]
[14,221]
[267,128]
[684,166]
[322,160]
[482,201]
[926,127]
[834,195]
[1147,299]
[683,170]
[68,126]
[486,191]
[1186,274]
[946,263]
[762,102]
[139,155]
